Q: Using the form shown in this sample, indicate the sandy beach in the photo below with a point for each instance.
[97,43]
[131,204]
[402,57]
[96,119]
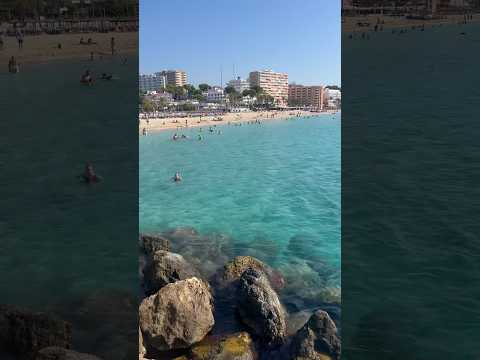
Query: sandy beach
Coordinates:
[44,48]
[159,124]
[350,23]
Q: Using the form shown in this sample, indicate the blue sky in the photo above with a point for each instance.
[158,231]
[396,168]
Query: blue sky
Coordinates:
[299,37]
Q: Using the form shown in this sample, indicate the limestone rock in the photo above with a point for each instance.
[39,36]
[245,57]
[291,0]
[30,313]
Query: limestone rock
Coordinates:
[58,353]
[235,268]
[25,333]
[152,243]
[317,339]
[164,268]
[260,308]
[233,347]
[179,315]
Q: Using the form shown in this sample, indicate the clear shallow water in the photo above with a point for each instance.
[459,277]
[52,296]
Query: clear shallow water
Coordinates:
[272,190]
[61,239]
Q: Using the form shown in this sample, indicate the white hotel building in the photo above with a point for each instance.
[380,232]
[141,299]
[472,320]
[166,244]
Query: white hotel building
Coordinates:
[239,84]
[153,82]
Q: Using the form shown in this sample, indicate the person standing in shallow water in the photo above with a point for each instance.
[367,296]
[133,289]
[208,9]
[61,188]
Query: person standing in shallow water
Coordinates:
[112,45]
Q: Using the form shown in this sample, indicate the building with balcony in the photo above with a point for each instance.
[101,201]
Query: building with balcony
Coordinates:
[300,95]
[155,82]
[239,84]
[273,84]
[214,94]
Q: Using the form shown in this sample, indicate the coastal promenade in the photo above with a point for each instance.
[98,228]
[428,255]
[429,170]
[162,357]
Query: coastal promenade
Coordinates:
[159,124]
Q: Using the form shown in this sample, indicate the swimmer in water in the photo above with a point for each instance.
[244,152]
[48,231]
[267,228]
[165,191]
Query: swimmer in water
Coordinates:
[86,78]
[177,177]
[175,136]
[89,174]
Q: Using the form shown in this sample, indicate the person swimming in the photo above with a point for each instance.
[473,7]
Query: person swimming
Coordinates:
[86,78]
[89,174]
[177,177]
[175,136]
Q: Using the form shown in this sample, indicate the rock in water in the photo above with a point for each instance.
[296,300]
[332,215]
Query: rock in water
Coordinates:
[57,353]
[233,347]
[178,315]
[25,333]
[235,268]
[317,339]
[152,243]
[260,308]
[141,347]
[164,268]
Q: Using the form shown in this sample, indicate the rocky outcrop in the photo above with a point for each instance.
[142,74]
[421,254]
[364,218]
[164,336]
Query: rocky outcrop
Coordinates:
[164,268]
[25,333]
[179,315]
[235,268]
[234,347]
[153,243]
[317,339]
[57,353]
[260,308]
[141,347]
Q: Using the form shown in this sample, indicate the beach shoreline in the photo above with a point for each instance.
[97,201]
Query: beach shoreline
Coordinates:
[179,123]
[39,49]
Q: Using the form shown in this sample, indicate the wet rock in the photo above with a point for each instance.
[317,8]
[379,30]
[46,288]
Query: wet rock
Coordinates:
[179,315]
[25,333]
[153,243]
[57,353]
[297,320]
[235,268]
[104,322]
[207,253]
[181,234]
[234,347]
[260,308]
[305,286]
[317,339]
[141,347]
[164,268]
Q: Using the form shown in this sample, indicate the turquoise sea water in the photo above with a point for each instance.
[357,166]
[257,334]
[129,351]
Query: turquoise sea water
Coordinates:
[61,240]
[410,195]
[272,190]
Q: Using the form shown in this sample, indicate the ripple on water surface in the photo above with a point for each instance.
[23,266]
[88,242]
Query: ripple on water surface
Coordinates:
[272,189]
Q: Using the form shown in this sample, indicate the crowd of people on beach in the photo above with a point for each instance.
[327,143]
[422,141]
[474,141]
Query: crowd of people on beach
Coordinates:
[379,27]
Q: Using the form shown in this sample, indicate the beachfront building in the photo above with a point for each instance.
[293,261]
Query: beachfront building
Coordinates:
[214,94]
[312,96]
[273,84]
[155,82]
[175,77]
[239,84]
[333,98]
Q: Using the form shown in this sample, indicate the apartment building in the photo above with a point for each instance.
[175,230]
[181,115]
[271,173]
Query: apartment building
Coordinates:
[300,95]
[175,77]
[153,82]
[333,98]
[273,83]
[239,84]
